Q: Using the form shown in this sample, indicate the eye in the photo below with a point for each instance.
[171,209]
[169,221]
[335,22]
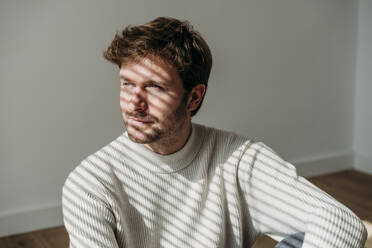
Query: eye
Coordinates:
[155,86]
[125,83]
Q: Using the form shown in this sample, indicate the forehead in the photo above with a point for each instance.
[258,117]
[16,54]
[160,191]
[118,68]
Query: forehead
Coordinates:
[149,69]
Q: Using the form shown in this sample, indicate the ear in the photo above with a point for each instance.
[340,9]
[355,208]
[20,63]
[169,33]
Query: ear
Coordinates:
[195,97]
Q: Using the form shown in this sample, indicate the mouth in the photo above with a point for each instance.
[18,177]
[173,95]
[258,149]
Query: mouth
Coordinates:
[139,122]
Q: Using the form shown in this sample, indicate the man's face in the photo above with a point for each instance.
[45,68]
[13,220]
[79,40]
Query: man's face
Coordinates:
[151,100]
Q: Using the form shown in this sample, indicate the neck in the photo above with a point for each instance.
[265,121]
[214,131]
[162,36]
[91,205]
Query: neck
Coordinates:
[173,143]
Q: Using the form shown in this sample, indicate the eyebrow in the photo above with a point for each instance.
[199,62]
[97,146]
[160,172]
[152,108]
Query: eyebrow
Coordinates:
[125,78]
[158,82]
[162,83]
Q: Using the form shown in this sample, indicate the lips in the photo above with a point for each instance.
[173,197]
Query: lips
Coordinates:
[140,120]
[139,123]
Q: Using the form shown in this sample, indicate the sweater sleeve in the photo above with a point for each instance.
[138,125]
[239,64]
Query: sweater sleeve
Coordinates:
[281,203]
[87,218]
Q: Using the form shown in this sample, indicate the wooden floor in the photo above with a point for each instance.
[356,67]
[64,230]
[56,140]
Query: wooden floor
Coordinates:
[352,188]
[48,238]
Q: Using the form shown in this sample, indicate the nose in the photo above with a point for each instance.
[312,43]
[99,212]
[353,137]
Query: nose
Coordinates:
[137,101]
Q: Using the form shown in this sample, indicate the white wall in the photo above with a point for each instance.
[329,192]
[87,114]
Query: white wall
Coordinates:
[283,74]
[363,103]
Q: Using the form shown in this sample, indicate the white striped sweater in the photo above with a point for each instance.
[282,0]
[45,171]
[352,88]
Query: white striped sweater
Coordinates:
[219,190]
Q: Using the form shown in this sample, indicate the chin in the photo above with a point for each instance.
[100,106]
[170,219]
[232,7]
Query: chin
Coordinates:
[141,137]
[137,140]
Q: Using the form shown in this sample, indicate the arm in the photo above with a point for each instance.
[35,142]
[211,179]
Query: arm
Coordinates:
[281,202]
[88,220]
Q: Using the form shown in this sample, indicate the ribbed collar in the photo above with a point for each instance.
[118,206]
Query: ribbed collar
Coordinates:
[169,163]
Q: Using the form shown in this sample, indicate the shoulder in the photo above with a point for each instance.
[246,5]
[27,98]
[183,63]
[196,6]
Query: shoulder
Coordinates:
[95,174]
[260,166]
[223,144]
[225,137]
[238,143]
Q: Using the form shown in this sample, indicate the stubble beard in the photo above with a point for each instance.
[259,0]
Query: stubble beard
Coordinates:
[170,127]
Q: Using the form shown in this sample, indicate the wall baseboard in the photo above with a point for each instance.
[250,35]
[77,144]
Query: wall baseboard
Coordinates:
[30,220]
[325,165]
[363,163]
[50,216]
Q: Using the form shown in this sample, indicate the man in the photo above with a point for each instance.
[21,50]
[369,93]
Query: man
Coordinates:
[167,182]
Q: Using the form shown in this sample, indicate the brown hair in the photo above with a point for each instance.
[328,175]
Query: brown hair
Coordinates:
[174,41]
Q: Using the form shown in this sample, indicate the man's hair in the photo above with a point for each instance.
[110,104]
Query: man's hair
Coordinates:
[174,41]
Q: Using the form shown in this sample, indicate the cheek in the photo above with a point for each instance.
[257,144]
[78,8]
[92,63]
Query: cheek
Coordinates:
[123,100]
[155,102]
[160,106]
